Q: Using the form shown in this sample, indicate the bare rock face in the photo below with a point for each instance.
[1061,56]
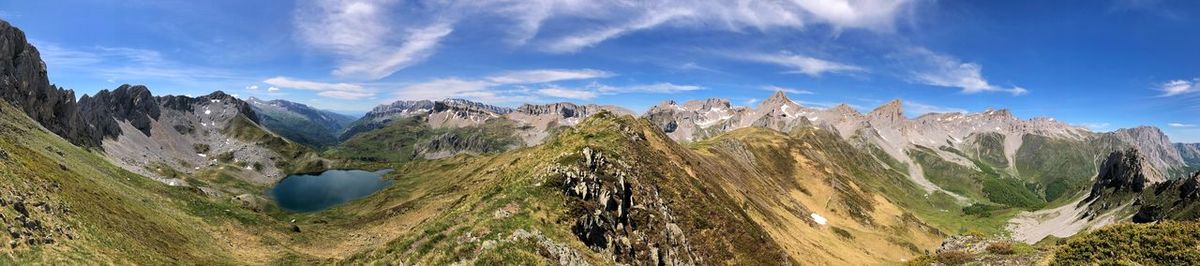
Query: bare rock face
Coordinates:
[696,120]
[24,84]
[134,104]
[448,113]
[618,214]
[1124,171]
[1190,153]
[891,113]
[536,121]
[1153,145]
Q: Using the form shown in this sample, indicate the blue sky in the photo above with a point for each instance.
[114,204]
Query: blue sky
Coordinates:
[1100,64]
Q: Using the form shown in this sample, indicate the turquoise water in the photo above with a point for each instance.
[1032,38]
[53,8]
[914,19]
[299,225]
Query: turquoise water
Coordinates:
[314,192]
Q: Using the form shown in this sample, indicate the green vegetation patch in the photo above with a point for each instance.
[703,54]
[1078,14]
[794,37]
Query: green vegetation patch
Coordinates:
[1167,243]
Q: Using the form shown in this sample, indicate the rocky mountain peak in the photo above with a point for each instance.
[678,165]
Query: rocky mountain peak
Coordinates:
[1153,144]
[844,110]
[891,111]
[1001,113]
[25,84]
[1125,171]
[563,109]
[467,105]
[710,103]
[777,99]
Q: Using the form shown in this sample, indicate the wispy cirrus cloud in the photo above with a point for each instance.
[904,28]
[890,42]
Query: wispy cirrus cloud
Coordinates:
[546,75]
[339,90]
[374,39]
[1095,126]
[918,108]
[368,43]
[1178,87]
[801,64]
[568,93]
[1181,125]
[131,65]
[514,86]
[774,88]
[942,70]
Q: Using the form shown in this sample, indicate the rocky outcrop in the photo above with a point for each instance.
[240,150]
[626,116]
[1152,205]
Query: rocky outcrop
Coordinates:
[31,218]
[1153,145]
[696,120]
[617,215]
[24,84]
[535,122]
[133,104]
[1124,172]
[888,114]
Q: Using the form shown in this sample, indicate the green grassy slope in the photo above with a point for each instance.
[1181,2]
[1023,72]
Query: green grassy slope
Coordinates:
[410,138]
[519,207]
[94,212]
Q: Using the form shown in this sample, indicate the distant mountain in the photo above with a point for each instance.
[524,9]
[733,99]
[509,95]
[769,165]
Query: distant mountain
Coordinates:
[1190,153]
[406,130]
[301,123]
[166,136]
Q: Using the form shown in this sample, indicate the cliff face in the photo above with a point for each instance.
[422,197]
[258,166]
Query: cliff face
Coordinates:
[24,83]
[1125,171]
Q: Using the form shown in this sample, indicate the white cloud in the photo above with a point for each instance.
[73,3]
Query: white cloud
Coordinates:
[1095,126]
[665,87]
[546,75]
[111,64]
[332,90]
[346,95]
[373,39]
[252,87]
[272,89]
[446,88]
[787,90]
[487,90]
[286,82]
[802,64]
[1181,125]
[575,42]
[567,93]
[946,71]
[365,38]
[1177,87]
[751,101]
[921,108]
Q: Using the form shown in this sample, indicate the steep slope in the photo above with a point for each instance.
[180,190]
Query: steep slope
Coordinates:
[24,84]
[618,190]
[63,204]
[300,123]
[1190,153]
[1155,147]
[177,138]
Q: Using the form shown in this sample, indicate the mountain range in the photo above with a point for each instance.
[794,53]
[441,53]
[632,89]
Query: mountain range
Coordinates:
[127,177]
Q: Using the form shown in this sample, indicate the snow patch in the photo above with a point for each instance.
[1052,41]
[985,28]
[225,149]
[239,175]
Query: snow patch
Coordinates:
[818,218]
